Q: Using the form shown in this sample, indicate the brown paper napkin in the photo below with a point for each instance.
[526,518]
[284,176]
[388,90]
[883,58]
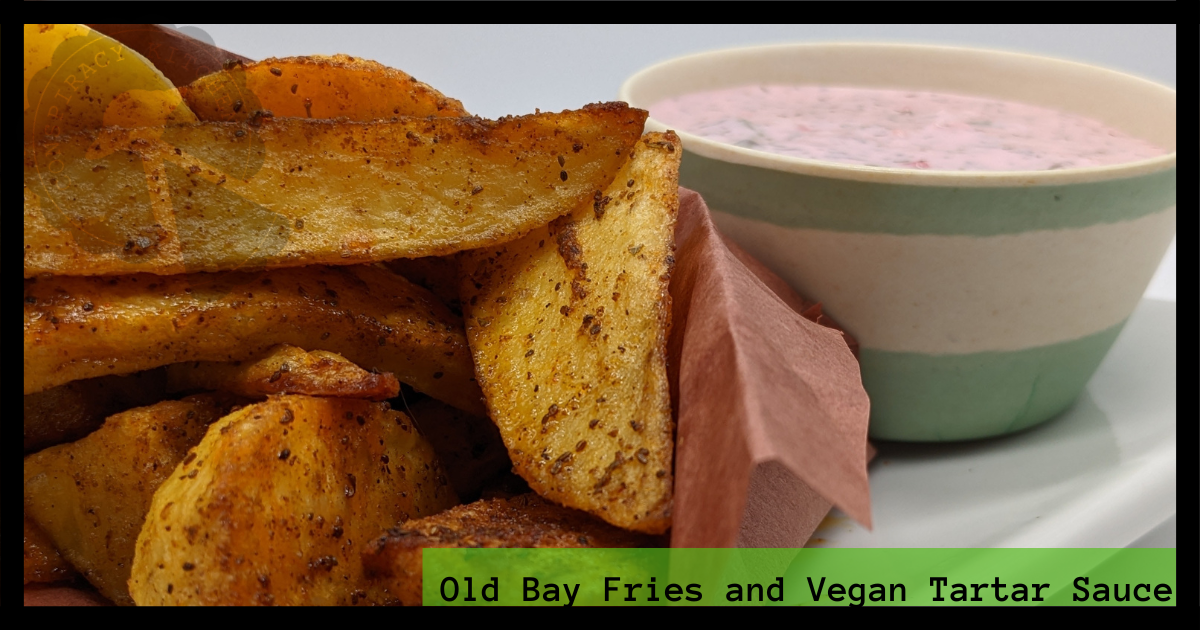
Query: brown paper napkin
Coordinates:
[772,413]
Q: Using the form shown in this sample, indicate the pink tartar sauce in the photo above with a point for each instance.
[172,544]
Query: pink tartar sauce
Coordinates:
[900,128]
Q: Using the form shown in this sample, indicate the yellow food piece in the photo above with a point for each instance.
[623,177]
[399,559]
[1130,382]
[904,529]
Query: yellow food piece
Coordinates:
[71,411]
[568,326]
[393,562]
[284,369]
[43,563]
[279,502]
[77,78]
[78,328]
[41,40]
[90,497]
[318,86]
[284,192]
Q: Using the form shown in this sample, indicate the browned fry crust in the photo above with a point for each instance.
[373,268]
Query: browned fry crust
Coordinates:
[79,328]
[279,501]
[394,560]
[90,497]
[286,192]
[284,369]
[337,86]
[568,326]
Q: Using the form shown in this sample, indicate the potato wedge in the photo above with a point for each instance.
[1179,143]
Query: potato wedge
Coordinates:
[79,328]
[77,78]
[285,192]
[439,274]
[71,411]
[43,563]
[284,369]
[393,561]
[568,326]
[289,492]
[90,497]
[319,86]
[468,446]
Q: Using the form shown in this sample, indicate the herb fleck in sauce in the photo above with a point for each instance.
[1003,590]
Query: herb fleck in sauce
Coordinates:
[901,129]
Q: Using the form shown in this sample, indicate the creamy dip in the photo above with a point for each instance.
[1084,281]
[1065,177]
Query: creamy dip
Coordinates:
[900,128]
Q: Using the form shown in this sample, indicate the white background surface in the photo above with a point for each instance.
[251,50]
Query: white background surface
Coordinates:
[499,70]
[1128,412]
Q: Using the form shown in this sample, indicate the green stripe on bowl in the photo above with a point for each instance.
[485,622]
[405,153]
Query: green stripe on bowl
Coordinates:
[805,201]
[922,397]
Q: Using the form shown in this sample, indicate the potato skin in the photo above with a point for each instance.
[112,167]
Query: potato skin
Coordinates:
[393,561]
[90,497]
[43,563]
[286,192]
[71,411]
[277,504]
[79,328]
[568,326]
[318,86]
[284,369]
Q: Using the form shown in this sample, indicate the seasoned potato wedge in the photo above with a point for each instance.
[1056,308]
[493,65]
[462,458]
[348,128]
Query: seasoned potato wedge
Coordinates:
[77,78]
[90,497]
[79,328]
[284,369]
[439,274]
[568,326]
[280,499]
[468,446]
[337,86]
[284,192]
[43,563]
[393,562]
[71,411]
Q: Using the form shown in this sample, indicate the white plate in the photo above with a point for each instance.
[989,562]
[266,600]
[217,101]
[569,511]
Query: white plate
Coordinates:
[1100,475]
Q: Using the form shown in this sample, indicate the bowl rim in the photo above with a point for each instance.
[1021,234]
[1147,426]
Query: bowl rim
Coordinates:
[886,175]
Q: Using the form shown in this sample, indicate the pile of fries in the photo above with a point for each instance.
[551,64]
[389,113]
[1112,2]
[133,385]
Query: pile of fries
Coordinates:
[292,323]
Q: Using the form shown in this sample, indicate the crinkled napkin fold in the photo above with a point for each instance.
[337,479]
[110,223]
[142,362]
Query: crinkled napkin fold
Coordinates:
[772,415]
